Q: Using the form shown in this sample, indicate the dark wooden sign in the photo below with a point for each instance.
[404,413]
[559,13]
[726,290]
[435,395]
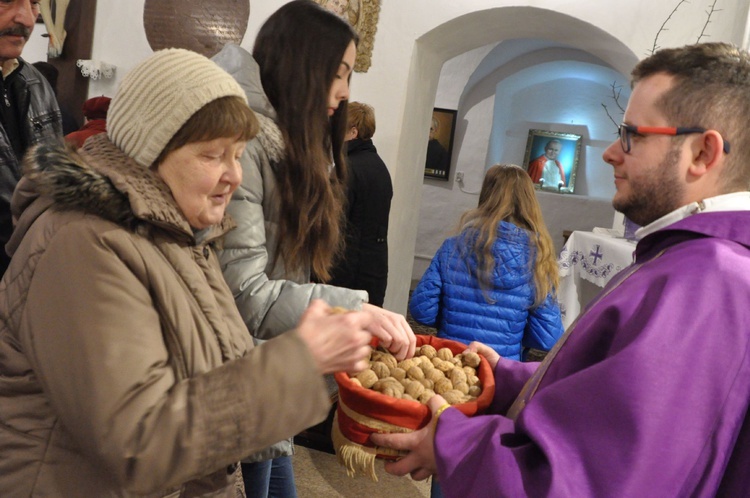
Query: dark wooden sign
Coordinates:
[197,25]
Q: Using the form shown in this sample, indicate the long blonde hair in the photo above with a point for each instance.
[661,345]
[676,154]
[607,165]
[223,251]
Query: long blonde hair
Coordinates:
[508,195]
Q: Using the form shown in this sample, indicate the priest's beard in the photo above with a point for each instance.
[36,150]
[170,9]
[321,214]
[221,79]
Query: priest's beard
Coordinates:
[653,193]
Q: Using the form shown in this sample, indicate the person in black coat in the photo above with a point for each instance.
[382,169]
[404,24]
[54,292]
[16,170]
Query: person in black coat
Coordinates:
[364,264]
[29,113]
[51,73]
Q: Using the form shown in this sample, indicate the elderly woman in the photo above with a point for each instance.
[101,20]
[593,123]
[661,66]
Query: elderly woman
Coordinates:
[125,366]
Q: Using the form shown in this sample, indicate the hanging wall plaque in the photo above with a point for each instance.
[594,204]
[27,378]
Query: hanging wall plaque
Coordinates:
[362,15]
[197,25]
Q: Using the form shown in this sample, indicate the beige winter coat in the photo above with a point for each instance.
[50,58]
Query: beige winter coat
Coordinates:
[125,368]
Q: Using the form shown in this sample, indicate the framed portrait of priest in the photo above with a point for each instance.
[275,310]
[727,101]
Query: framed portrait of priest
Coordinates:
[551,160]
[440,145]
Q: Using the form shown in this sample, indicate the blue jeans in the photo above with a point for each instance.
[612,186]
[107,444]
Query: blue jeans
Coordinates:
[435,491]
[269,479]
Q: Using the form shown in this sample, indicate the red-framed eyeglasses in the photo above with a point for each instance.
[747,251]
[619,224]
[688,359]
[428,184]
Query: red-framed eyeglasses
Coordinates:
[625,131]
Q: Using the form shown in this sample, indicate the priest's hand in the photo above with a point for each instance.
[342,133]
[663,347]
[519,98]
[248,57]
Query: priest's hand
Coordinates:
[490,354]
[420,462]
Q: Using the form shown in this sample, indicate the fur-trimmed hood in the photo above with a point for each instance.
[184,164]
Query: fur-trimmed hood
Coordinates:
[98,179]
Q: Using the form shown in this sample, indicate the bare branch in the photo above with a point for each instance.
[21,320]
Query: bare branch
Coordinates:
[710,12]
[616,91]
[617,125]
[656,47]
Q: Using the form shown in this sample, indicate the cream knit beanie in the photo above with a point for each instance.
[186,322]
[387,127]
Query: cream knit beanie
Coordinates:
[159,95]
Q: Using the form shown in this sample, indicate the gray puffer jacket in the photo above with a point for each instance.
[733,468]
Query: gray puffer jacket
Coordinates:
[270,300]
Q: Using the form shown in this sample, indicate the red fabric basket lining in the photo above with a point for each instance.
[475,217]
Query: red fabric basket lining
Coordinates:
[401,412]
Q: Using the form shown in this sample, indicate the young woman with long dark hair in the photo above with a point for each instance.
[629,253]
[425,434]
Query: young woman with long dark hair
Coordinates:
[289,208]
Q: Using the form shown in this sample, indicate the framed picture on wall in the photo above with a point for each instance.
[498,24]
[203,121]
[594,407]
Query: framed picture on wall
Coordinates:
[440,145]
[362,15]
[552,159]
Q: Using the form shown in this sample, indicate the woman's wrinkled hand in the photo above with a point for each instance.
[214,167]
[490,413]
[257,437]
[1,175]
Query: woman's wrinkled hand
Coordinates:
[338,342]
[392,330]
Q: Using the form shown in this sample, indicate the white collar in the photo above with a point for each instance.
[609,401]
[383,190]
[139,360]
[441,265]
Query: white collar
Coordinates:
[736,201]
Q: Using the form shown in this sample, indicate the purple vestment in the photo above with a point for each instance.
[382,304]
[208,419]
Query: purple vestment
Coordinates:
[647,394]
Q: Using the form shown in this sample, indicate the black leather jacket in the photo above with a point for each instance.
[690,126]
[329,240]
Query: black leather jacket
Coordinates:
[40,121]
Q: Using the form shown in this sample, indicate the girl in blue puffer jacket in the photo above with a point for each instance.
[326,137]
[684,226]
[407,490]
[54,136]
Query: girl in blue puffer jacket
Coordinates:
[495,281]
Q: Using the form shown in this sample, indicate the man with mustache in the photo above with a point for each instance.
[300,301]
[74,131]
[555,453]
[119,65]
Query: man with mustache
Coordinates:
[28,108]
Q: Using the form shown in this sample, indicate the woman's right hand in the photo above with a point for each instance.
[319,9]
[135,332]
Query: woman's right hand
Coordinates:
[338,342]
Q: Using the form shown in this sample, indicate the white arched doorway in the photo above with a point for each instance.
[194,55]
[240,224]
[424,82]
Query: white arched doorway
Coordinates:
[431,51]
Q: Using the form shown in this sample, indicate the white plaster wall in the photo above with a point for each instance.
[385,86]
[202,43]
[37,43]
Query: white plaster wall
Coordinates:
[36,48]
[413,41]
[551,89]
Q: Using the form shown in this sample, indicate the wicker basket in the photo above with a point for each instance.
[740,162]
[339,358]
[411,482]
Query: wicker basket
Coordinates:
[362,412]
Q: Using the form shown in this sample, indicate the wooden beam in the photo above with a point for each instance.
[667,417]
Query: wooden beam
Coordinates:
[72,87]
